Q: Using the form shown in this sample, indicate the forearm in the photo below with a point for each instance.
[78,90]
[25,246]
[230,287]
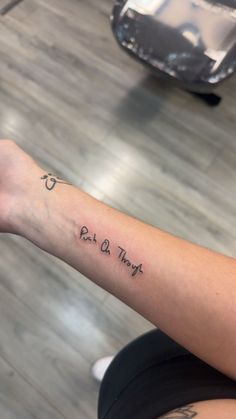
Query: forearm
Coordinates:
[186,290]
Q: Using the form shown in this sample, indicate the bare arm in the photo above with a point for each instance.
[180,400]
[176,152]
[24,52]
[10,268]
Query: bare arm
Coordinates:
[186,290]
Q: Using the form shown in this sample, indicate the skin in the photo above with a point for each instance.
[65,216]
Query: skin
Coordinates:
[208,409]
[186,290]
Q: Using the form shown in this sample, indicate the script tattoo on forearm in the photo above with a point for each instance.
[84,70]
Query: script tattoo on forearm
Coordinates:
[51,181]
[185,412]
[107,249]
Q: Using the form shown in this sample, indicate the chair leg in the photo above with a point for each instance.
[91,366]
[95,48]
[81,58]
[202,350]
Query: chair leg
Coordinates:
[210,99]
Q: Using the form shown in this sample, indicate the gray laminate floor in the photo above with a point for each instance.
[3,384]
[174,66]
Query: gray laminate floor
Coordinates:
[81,107]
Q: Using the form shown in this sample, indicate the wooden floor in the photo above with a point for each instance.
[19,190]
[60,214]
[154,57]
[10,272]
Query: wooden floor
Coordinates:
[71,98]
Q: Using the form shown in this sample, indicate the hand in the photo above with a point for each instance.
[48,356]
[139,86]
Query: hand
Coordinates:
[17,169]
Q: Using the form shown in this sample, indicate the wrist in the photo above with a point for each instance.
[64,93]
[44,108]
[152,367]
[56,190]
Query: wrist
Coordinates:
[26,203]
[42,218]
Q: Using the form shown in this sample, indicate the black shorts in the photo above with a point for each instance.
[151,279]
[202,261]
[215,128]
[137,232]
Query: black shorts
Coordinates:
[154,375]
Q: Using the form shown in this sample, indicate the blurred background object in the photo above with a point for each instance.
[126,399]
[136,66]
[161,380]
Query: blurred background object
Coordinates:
[191,42]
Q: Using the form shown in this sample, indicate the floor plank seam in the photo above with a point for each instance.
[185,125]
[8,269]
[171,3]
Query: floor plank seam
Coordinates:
[31,384]
[9,6]
[51,328]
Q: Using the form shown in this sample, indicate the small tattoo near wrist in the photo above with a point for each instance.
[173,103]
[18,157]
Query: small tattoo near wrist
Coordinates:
[185,412]
[51,181]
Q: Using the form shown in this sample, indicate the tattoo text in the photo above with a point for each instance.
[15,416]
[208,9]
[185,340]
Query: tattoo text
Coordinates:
[105,248]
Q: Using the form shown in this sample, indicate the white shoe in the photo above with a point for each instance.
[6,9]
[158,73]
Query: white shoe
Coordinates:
[100,367]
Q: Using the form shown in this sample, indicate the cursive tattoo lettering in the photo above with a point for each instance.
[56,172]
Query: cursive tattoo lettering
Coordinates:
[84,235]
[135,268]
[122,256]
[51,181]
[106,249]
[185,412]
